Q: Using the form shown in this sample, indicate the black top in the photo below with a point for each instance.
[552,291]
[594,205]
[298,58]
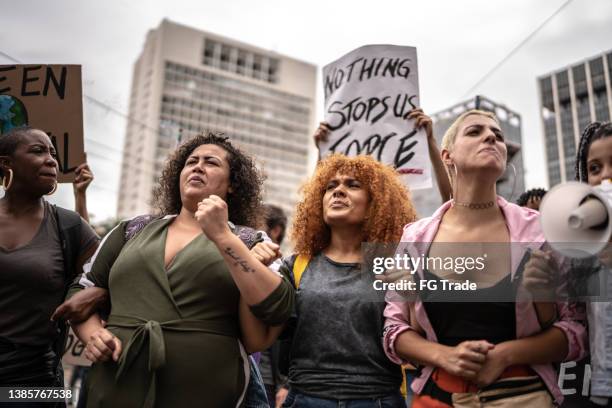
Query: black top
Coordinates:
[32,283]
[455,318]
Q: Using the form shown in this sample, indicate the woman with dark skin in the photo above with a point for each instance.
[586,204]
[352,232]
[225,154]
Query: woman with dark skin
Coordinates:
[594,167]
[186,288]
[33,278]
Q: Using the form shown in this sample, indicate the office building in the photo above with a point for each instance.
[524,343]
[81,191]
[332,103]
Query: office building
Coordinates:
[570,99]
[186,81]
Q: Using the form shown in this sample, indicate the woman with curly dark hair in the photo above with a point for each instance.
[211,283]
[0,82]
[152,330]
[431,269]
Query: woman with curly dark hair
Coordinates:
[336,353]
[187,295]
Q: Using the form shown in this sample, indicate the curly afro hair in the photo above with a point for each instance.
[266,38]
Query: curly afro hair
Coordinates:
[246,181]
[534,192]
[390,204]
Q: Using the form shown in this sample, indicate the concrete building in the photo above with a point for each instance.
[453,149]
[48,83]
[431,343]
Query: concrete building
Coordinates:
[570,99]
[511,185]
[186,81]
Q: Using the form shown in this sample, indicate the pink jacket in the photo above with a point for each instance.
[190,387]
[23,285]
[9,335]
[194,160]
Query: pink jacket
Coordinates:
[524,227]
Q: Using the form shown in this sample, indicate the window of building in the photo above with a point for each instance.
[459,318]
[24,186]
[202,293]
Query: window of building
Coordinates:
[563,90]
[580,84]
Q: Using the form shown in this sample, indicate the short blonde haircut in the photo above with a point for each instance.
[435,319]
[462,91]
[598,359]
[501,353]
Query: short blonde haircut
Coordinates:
[451,134]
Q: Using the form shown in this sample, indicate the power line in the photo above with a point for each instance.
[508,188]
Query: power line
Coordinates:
[100,104]
[515,49]
[108,108]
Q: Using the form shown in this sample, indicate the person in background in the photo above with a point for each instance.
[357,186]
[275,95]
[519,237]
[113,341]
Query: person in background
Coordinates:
[531,198]
[275,225]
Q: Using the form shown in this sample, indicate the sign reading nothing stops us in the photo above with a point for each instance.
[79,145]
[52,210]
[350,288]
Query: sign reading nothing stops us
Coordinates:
[368,93]
[46,97]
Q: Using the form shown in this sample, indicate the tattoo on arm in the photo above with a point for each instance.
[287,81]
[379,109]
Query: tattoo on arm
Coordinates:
[239,261]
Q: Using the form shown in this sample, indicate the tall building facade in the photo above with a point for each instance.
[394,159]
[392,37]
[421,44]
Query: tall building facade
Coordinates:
[570,99]
[512,183]
[186,81]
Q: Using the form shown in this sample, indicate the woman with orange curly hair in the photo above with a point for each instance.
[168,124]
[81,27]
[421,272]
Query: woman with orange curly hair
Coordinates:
[336,354]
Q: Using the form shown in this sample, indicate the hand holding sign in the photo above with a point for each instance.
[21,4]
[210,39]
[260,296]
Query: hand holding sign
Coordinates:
[322,133]
[422,121]
[82,178]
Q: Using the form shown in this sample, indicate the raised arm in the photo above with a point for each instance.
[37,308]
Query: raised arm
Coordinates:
[422,121]
[256,335]
[269,296]
[82,179]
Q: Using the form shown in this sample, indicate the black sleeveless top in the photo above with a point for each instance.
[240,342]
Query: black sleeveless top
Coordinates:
[471,315]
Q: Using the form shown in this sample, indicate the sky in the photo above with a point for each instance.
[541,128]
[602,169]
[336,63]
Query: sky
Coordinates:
[457,42]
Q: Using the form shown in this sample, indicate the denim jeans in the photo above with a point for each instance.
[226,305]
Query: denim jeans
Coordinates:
[256,396]
[297,400]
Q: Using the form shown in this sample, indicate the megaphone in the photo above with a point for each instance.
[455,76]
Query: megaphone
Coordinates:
[577,218]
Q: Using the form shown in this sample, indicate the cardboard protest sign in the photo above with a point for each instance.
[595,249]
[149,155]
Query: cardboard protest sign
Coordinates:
[368,93]
[46,97]
[75,350]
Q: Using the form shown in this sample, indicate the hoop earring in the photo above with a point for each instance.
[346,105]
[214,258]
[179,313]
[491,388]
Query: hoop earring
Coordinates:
[54,189]
[6,186]
[513,167]
[456,182]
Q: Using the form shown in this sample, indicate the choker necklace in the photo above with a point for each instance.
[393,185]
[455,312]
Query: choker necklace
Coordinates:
[474,206]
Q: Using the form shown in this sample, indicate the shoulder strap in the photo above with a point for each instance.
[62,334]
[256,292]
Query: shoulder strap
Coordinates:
[69,228]
[299,266]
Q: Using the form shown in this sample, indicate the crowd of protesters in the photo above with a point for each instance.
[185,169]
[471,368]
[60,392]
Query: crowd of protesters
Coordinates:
[171,304]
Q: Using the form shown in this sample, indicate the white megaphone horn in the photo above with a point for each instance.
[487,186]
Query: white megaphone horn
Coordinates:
[577,218]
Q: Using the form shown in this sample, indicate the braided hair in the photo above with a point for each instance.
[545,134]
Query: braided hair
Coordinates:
[593,132]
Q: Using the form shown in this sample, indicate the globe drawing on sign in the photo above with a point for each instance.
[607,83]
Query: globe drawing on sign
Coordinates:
[13,113]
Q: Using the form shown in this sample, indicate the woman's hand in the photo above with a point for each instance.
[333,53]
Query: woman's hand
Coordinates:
[494,366]
[212,217]
[322,133]
[422,121]
[538,275]
[83,177]
[266,252]
[466,359]
[102,346]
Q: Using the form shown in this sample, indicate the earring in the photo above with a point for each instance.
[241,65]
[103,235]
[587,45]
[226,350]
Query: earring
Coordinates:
[514,182]
[54,189]
[6,185]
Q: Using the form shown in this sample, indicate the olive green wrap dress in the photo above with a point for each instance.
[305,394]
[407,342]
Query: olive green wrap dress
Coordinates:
[179,326]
